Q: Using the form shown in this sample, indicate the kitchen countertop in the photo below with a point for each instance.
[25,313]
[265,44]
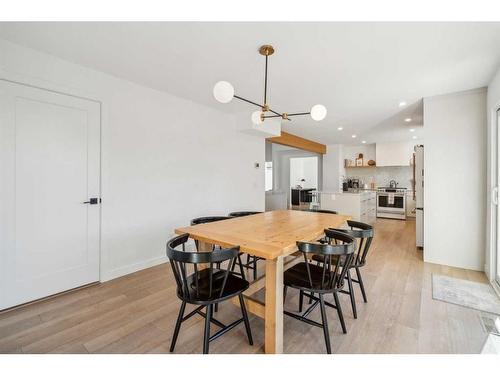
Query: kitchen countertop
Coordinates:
[350,192]
[356,191]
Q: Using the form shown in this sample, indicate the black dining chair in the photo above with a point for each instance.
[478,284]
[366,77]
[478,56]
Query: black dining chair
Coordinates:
[205,287]
[243,213]
[327,278]
[323,211]
[211,219]
[363,233]
[251,261]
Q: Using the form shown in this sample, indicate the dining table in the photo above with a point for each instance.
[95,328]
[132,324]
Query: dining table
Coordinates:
[272,236]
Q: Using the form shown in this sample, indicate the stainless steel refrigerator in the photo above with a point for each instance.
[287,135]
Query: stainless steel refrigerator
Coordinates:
[419,193]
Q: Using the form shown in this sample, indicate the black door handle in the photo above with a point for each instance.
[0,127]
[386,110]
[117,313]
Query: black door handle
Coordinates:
[93,201]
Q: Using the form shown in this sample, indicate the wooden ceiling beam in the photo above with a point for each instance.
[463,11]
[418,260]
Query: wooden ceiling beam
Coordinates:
[292,140]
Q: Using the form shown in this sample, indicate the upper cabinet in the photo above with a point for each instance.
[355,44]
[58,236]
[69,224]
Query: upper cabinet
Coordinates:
[394,153]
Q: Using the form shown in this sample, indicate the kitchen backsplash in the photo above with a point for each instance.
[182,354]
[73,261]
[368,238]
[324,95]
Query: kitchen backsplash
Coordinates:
[382,175]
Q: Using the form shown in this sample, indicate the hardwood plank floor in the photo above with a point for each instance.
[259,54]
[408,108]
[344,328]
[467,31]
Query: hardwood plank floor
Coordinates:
[136,313]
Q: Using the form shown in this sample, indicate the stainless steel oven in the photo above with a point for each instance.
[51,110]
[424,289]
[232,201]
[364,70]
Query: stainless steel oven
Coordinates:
[391,203]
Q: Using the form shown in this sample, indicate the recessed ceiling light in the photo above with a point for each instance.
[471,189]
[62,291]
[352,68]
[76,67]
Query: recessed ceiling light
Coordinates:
[363,141]
[402,104]
[414,137]
[412,130]
[354,135]
[408,119]
[340,128]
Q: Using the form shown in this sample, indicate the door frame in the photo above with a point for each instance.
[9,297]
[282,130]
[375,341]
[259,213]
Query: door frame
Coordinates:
[33,82]
[492,237]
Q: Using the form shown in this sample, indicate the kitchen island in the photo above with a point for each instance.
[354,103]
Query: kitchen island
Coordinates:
[361,205]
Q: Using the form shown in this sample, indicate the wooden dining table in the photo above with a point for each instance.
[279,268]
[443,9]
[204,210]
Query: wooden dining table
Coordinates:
[270,235]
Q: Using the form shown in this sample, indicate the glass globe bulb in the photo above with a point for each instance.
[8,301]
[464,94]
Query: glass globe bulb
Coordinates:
[318,112]
[223,92]
[256,118]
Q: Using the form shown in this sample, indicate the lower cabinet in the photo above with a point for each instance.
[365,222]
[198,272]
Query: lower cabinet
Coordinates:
[360,206]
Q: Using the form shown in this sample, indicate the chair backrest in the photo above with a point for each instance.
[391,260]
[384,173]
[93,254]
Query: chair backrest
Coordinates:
[323,211]
[243,213]
[188,284]
[208,219]
[364,235]
[336,259]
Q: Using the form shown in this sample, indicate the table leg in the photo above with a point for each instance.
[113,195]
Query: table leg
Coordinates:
[274,306]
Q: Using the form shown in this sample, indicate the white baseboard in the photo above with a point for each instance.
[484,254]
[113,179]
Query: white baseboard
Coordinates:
[131,268]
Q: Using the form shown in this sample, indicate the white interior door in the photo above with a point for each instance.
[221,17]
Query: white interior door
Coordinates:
[49,166]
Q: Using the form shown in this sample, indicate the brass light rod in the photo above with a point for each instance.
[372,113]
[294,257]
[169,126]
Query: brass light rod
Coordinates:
[286,115]
[258,105]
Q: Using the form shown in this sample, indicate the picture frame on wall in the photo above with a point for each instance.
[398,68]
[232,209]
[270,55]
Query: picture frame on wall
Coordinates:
[359,160]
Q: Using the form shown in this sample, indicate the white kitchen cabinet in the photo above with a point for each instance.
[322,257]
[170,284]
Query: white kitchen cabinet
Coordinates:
[394,153]
[361,206]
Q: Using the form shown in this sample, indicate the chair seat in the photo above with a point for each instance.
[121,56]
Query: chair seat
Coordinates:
[234,286]
[297,277]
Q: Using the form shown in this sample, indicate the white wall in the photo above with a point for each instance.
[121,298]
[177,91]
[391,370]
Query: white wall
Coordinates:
[352,152]
[455,175]
[165,160]
[281,169]
[304,168]
[333,168]
[493,103]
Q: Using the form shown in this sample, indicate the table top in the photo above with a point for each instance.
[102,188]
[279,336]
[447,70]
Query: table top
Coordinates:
[266,235]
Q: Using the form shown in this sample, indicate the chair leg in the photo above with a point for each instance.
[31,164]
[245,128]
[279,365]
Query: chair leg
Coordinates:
[351,294]
[206,336]
[361,285]
[301,300]
[177,326]
[339,311]
[310,298]
[325,324]
[216,307]
[245,319]
[255,268]
[240,264]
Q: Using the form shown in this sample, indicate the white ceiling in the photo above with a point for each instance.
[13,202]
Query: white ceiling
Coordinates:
[359,71]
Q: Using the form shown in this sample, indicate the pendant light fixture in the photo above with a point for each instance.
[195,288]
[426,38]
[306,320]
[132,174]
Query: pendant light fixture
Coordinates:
[224,93]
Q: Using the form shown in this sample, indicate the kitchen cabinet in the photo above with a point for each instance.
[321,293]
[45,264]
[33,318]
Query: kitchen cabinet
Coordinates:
[394,153]
[362,206]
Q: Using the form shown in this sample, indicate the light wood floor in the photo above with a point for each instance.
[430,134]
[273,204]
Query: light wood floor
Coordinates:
[136,313]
